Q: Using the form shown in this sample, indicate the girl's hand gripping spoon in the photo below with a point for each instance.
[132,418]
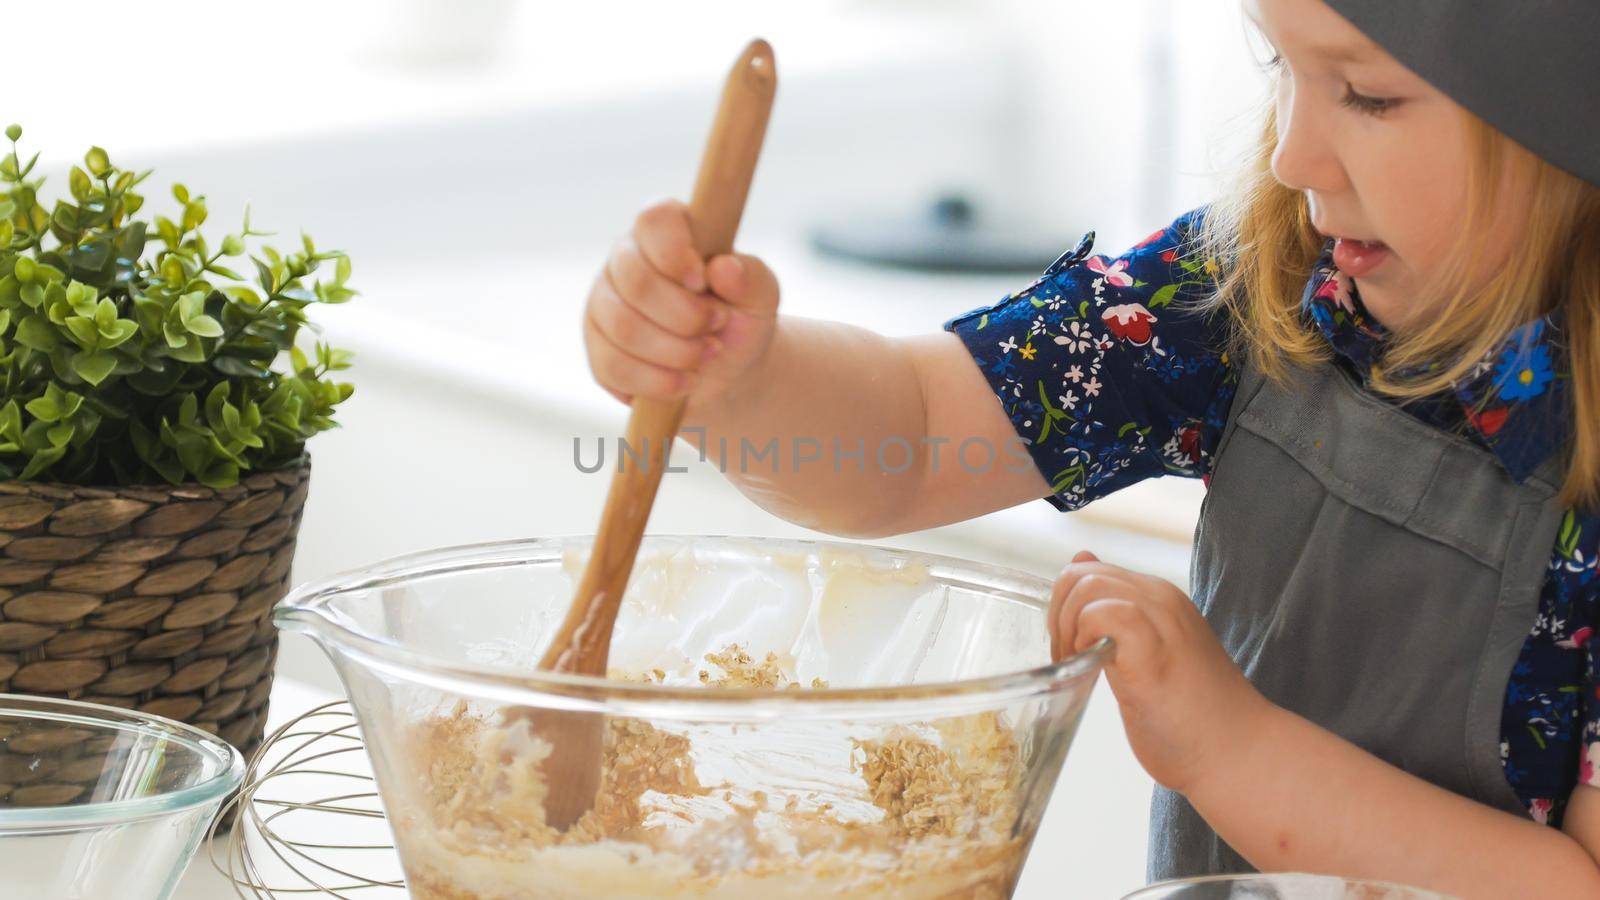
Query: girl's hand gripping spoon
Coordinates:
[581,646]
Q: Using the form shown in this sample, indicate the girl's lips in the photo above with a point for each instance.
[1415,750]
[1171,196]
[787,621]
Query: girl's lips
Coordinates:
[1358,258]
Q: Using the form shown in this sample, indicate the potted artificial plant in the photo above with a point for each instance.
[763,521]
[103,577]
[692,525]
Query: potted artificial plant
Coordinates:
[153,421]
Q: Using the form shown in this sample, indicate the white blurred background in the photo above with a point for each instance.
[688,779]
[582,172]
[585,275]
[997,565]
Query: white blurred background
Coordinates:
[476,158]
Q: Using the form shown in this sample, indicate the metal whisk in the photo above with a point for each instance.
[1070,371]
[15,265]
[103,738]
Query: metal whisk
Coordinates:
[307,820]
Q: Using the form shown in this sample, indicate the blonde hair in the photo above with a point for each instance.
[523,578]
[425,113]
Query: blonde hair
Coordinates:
[1261,233]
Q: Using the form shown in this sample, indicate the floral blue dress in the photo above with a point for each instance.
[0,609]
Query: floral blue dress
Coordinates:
[1111,375]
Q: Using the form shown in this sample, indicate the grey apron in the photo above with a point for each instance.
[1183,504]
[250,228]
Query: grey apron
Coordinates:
[1371,573]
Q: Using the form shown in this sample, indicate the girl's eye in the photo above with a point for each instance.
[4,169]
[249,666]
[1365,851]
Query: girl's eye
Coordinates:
[1362,103]
[1274,64]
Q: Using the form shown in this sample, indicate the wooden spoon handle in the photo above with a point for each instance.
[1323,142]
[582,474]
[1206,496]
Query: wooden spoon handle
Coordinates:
[726,169]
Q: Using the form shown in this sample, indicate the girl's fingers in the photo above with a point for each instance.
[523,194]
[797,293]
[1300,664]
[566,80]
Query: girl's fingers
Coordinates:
[666,240]
[622,373]
[657,297]
[1058,595]
[1083,562]
[1138,642]
[1085,590]
[745,282]
[625,327]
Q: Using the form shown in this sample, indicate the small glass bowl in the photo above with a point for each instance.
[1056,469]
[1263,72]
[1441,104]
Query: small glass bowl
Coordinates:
[100,802]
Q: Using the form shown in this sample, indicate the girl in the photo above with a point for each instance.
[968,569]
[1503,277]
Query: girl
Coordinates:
[1384,355]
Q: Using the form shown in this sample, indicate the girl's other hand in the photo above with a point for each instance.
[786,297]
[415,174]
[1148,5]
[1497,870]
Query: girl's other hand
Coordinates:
[1183,702]
[661,322]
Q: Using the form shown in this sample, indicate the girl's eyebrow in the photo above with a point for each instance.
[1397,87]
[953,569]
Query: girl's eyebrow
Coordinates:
[1346,52]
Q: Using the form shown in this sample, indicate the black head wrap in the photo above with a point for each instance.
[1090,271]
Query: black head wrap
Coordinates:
[1530,68]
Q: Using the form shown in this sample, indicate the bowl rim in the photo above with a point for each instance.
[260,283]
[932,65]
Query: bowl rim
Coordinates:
[77,816]
[305,609]
[1278,879]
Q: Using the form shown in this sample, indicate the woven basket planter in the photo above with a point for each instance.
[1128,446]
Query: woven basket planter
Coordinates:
[151,598]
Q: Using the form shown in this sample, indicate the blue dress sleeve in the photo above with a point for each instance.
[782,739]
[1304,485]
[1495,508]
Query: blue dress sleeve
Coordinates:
[1107,370]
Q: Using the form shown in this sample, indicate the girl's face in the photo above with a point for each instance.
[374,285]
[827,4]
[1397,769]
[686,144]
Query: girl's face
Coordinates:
[1381,156]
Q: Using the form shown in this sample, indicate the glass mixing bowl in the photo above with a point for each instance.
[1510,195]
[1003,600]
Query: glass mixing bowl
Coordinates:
[784,718]
[100,802]
[1279,887]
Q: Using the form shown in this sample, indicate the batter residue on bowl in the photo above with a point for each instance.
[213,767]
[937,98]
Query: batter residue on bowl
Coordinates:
[932,814]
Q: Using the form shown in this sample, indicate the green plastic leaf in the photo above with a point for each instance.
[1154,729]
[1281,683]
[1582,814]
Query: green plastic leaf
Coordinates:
[230,419]
[121,331]
[191,306]
[14,132]
[81,297]
[215,400]
[172,329]
[194,452]
[90,257]
[25,269]
[194,214]
[172,271]
[220,475]
[105,313]
[36,333]
[188,410]
[342,270]
[44,408]
[84,331]
[78,183]
[42,460]
[94,367]
[192,351]
[69,401]
[268,281]
[239,368]
[11,420]
[243,294]
[169,232]
[97,161]
[180,193]
[130,242]
[205,326]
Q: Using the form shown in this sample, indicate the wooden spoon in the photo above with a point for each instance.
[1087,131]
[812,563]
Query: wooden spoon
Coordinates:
[572,771]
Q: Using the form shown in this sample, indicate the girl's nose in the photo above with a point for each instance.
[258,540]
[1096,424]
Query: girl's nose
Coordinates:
[1304,158]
